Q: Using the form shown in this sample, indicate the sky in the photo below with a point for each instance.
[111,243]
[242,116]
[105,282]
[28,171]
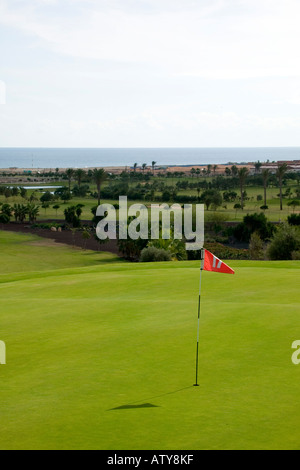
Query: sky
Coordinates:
[149,73]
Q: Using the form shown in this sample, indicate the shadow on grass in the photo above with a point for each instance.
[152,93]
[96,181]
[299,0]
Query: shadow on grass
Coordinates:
[135,405]
[128,407]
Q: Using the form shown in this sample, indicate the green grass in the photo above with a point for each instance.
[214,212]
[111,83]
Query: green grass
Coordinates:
[91,342]
[273,213]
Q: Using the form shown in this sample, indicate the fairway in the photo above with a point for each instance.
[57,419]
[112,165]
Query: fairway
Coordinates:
[101,353]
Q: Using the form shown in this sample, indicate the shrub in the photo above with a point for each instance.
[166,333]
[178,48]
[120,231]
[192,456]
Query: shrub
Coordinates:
[285,241]
[256,246]
[176,248]
[294,219]
[254,223]
[296,255]
[4,218]
[221,251]
[154,254]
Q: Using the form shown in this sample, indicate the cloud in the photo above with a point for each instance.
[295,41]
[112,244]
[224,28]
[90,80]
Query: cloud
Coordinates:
[218,39]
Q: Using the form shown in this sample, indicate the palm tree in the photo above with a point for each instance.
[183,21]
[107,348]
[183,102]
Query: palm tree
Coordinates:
[144,165]
[20,212]
[281,171]
[242,174]
[234,170]
[208,170]
[69,173]
[99,176]
[257,166]
[153,166]
[215,167]
[79,174]
[33,212]
[134,167]
[265,176]
[33,197]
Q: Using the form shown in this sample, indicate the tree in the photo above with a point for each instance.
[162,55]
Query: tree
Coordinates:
[153,166]
[23,192]
[45,206]
[215,167]
[242,174]
[280,173]
[56,207]
[236,207]
[33,212]
[79,174]
[134,167]
[69,173]
[294,203]
[144,166]
[257,166]
[99,176]
[72,215]
[33,197]
[285,240]
[193,171]
[7,210]
[254,223]
[15,191]
[234,170]
[256,246]
[265,176]
[211,197]
[20,212]
[47,197]
[7,193]
[86,236]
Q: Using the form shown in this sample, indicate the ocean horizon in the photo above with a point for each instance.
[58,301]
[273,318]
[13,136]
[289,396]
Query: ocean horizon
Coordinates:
[32,157]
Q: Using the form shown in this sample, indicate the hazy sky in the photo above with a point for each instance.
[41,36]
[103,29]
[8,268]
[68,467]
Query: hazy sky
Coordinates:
[149,73]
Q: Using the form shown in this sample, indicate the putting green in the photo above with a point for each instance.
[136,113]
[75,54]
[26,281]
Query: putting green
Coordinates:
[101,354]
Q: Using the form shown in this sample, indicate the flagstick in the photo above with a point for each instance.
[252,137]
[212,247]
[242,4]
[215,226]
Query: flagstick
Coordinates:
[197,349]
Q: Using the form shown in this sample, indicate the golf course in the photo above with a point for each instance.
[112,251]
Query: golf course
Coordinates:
[100,353]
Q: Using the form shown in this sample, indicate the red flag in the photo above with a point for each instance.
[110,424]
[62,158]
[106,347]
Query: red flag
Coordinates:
[212,263]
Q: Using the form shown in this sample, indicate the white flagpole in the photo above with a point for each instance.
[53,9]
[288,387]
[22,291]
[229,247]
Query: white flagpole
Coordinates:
[198,327]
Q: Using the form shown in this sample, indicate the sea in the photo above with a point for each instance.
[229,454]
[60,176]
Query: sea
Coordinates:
[110,157]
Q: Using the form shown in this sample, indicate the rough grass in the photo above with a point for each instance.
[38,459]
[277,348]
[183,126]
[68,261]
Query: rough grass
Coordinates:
[101,355]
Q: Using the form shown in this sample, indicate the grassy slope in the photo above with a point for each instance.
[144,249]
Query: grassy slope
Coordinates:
[96,336]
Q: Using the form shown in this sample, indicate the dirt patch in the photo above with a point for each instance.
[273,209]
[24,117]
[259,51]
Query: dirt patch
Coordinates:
[64,237]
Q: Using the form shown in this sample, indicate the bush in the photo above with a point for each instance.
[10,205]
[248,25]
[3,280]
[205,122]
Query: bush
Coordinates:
[154,254]
[296,255]
[294,219]
[285,241]
[4,218]
[221,251]
[256,246]
[253,223]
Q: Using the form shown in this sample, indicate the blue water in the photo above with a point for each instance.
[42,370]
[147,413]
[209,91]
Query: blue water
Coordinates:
[90,157]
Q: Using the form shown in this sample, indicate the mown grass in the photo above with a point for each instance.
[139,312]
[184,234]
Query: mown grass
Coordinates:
[91,344]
